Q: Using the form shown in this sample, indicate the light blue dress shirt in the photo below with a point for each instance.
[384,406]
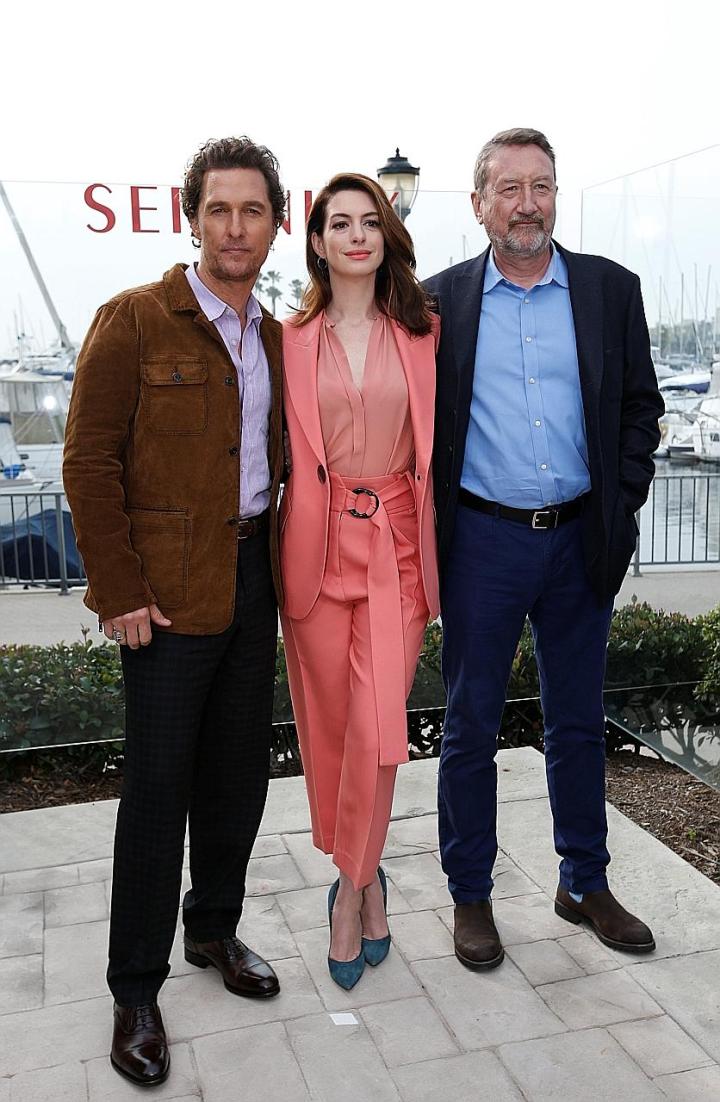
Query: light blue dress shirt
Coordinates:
[253,375]
[526,445]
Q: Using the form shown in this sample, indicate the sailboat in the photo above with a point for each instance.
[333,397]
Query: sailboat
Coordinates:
[706,430]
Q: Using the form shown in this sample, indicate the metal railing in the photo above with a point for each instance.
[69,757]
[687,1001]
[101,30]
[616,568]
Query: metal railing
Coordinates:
[37,544]
[680,522]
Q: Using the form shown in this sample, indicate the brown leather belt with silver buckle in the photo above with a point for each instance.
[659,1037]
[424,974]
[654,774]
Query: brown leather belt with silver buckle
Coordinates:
[549,517]
[252,526]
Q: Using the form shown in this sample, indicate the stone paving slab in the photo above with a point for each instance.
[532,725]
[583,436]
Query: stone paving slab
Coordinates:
[544,962]
[253,1063]
[67,1083]
[598,1000]
[472,1077]
[509,1009]
[586,1066]
[564,1017]
[340,1061]
[659,1046]
[21,983]
[691,1086]
[688,988]
[394,1027]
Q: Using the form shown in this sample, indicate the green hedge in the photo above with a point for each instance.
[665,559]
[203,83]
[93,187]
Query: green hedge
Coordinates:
[61,694]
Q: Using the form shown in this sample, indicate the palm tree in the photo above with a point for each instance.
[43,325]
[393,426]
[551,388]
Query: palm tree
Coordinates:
[259,288]
[272,290]
[297,288]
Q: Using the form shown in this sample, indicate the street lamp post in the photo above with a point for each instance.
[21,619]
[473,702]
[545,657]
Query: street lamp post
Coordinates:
[399,178]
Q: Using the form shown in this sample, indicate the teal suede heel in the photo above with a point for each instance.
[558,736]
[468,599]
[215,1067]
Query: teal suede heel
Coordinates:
[376,949]
[346,973]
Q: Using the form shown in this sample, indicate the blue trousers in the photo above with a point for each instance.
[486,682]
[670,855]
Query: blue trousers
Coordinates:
[498,572]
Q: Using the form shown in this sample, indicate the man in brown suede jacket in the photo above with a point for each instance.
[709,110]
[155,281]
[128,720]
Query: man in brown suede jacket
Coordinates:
[173,458]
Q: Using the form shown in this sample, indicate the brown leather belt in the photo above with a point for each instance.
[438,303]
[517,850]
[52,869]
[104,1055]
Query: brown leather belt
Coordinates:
[549,517]
[252,526]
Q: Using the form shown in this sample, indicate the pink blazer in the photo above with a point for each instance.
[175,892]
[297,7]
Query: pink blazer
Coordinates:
[305,505]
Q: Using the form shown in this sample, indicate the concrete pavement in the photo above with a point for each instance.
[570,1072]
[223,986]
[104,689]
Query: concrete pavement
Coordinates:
[563,1017]
[44,617]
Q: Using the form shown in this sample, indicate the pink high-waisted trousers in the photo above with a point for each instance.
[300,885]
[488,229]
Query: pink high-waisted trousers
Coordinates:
[351,663]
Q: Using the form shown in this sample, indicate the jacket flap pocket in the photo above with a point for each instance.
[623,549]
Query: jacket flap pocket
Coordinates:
[161,539]
[174,372]
[157,520]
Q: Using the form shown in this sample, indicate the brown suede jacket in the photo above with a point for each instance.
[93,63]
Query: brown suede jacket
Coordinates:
[152,467]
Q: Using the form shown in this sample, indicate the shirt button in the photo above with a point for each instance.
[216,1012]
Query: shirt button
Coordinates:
[233,451]
[527,301]
[229,380]
[531,380]
[528,339]
[543,466]
[537,424]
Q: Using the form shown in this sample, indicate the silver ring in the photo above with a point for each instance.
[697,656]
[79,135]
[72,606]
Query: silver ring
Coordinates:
[374,499]
[118,636]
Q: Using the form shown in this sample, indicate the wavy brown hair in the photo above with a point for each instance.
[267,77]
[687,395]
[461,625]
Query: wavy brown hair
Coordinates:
[232,153]
[397,291]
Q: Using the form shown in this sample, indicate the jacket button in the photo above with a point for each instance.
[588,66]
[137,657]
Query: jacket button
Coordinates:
[321,474]
[232,521]
[229,380]
[419,477]
[233,451]
[177,377]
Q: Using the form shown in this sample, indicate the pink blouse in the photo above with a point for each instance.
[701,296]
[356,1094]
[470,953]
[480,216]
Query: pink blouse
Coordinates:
[366,430]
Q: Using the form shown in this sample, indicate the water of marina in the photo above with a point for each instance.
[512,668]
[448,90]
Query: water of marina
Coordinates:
[680,523]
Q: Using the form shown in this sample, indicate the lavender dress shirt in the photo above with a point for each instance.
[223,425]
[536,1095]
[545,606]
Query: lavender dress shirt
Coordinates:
[248,356]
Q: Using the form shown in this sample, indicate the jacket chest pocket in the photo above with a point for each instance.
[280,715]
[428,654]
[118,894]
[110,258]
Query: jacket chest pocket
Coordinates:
[173,395]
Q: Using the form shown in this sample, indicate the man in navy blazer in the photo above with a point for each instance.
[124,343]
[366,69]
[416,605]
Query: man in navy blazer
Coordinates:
[547,418]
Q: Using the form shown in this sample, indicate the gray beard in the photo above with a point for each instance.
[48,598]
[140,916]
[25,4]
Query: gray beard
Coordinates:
[511,246]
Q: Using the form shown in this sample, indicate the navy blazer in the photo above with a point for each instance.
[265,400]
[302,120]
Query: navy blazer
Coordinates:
[620,396]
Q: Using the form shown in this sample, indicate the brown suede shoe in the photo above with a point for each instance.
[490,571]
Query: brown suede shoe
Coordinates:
[139,1046]
[244,972]
[477,942]
[614,925]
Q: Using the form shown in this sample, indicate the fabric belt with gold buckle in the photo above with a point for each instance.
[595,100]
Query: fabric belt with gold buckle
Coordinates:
[541,519]
[252,526]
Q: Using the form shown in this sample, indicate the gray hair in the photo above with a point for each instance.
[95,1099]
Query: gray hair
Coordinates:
[520,135]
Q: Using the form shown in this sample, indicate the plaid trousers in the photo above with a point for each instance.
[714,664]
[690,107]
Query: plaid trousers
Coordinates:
[197,752]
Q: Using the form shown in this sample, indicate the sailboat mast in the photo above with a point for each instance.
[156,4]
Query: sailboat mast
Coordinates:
[65,341]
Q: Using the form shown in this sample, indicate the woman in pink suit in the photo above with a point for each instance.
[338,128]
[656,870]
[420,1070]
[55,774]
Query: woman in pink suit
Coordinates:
[357,538]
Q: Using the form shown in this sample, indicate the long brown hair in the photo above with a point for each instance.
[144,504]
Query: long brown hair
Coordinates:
[397,291]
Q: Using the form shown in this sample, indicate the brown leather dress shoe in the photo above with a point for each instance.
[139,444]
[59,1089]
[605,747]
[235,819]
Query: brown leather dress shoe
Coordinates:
[244,972]
[139,1046]
[614,925]
[477,942]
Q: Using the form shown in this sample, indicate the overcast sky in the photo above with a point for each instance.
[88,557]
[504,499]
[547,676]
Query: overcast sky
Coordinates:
[126,92]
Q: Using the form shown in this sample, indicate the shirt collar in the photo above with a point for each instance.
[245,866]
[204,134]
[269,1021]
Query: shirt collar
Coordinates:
[556,272]
[214,307]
